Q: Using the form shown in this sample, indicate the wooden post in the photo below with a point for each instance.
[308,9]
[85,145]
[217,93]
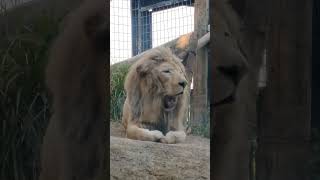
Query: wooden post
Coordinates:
[199,103]
[284,129]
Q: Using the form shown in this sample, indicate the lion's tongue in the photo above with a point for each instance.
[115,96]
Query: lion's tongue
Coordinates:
[170,102]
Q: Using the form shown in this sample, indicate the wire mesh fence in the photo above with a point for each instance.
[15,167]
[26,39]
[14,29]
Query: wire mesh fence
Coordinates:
[120,30]
[138,25]
[177,21]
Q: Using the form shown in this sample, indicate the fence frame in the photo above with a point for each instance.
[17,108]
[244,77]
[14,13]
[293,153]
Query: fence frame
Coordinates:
[142,41]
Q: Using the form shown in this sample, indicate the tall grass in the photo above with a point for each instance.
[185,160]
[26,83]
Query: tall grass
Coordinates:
[201,129]
[24,103]
[117,78]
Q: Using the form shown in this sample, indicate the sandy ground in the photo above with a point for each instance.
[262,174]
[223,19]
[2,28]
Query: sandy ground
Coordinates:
[131,159]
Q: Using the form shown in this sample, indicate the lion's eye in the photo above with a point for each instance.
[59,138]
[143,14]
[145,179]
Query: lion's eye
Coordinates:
[166,71]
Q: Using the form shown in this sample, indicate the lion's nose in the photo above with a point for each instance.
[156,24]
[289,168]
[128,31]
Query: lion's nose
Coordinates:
[183,83]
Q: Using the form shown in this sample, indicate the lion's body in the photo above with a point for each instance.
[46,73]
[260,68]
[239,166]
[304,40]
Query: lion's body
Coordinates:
[74,144]
[151,84]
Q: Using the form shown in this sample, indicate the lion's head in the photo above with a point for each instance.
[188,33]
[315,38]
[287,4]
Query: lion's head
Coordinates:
[155,86]
[158,75]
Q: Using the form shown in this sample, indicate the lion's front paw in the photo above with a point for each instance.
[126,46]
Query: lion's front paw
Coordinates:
[173,137]
[157,135]
[164,140]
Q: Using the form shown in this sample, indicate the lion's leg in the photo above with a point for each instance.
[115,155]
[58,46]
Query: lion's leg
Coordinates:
[173,137]
[134,132]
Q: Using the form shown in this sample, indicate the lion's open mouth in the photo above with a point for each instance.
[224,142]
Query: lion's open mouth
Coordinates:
[170,102]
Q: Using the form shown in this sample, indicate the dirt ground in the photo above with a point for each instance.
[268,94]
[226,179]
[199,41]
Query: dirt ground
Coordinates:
[131,159]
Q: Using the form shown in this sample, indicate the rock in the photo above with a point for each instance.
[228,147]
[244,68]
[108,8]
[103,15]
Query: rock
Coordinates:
[132,159]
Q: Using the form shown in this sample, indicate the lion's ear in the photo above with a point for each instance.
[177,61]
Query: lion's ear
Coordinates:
[142,69]
[145,67]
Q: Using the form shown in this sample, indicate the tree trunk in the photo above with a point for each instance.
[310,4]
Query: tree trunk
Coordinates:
[284,129]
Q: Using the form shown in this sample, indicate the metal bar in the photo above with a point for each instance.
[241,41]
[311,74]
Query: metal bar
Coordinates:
[203,41]
[135,16]
[165,5]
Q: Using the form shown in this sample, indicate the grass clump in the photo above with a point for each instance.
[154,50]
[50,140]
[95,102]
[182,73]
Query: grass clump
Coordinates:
[118,96]
[24,103]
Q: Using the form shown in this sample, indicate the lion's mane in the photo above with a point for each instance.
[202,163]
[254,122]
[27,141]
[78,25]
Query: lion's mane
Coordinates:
[144,102]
